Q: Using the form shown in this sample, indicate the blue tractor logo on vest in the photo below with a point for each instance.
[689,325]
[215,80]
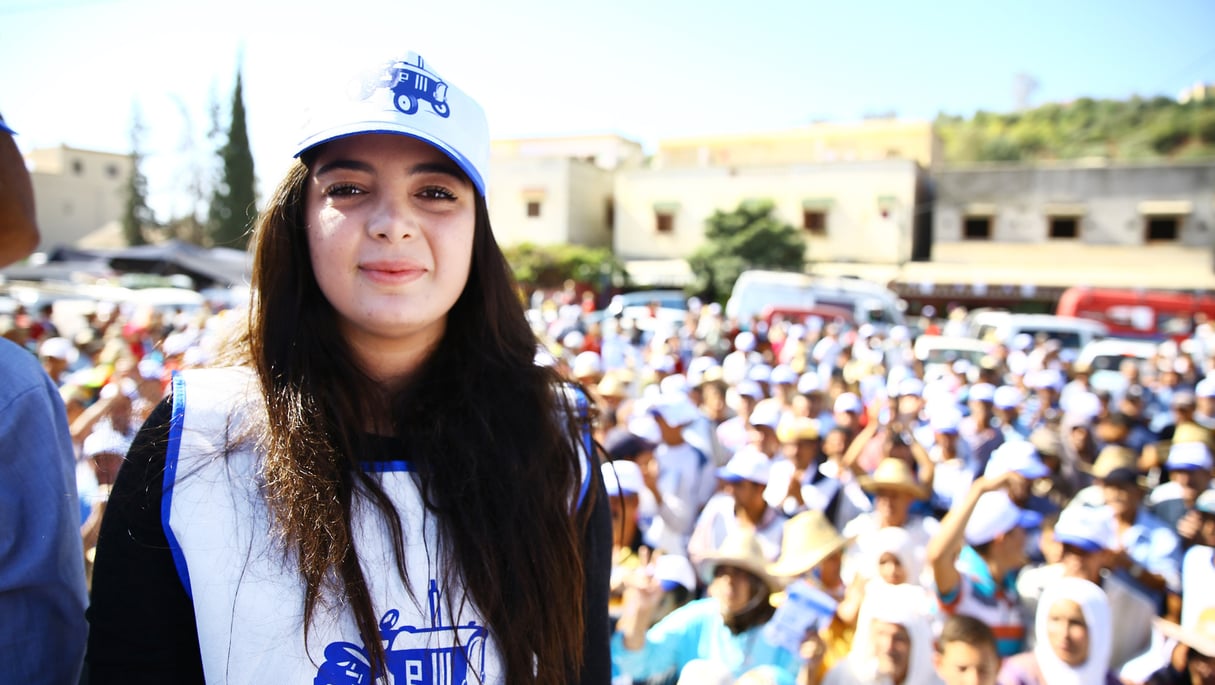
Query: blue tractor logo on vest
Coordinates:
[438,655]
[411,83]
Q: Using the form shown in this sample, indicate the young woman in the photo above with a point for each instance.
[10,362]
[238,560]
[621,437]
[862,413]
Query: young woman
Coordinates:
[1072,627]
[384,487]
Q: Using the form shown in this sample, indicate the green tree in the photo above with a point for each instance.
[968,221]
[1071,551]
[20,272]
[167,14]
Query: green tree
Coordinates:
[136,215]
[749,237]
[549,266]
[234,201]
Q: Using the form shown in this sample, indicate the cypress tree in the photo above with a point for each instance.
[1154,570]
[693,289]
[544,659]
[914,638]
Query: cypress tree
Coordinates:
[234,202]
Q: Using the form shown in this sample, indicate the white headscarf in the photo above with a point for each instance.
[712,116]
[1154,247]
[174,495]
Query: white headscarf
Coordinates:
[1096,609]
[899,543]
[901,605]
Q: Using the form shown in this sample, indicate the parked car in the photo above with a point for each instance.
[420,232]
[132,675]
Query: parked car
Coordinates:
[869,302]
[1073,333]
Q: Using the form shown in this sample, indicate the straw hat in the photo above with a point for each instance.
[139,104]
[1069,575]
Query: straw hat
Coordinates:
[808,539]
[740,549]
[893,474]
[1111,458]
[1200,636]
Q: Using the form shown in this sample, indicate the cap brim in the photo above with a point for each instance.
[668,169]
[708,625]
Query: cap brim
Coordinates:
[793,568]
[361,128]
[868,484]
[1029,519]
[1035,472]
[1077,542]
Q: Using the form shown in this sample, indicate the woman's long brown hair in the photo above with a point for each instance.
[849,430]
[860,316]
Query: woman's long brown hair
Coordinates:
[493,445]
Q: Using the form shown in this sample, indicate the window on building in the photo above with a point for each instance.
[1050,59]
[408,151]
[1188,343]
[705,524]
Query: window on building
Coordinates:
[1163,228]
[533,208]
[111,170]
[1064,227]
[77,167]
[814,221]
[664,222]
[977,228]
[609,213]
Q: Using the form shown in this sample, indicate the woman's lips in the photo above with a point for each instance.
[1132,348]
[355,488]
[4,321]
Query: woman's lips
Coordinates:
[392,273]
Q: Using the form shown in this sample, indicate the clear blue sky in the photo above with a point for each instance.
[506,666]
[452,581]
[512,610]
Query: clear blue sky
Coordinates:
[74,69]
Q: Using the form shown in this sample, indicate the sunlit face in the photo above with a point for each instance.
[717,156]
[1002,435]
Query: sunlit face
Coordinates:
[1067,632]
[960,663]
[390,233]
[892,506]
[892,648]
[891,569]
[624,518]
[1078,563]
[733,588]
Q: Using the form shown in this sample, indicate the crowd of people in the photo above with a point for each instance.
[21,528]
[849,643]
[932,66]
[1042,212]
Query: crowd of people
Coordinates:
[1005,521]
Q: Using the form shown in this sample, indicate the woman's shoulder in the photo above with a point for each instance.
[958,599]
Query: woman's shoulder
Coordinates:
[1020,669]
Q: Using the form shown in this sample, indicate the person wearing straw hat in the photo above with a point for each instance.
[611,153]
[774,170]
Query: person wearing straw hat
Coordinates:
[742,505]
[1192,661]
[894,488]
[725,628]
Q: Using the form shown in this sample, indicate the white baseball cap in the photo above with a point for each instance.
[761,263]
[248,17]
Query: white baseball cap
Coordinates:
[848,402]
[748,463]
[994,515]
[1088,528]
[1189,456]
[105,441]
[403,95]
[1007,397]
[622,477]
[1019,456]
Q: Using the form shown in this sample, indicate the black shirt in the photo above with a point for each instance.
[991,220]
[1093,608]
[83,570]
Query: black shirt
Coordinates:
[141,621]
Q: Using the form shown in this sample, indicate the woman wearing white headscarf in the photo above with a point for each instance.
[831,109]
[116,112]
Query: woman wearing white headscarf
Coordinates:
[1072,628]
[893,643]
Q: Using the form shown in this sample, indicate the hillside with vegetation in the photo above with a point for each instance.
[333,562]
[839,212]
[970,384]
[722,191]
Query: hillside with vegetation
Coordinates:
[1137,129]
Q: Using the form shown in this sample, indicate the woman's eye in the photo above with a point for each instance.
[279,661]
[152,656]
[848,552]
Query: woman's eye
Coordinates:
[342,190]
[436,193]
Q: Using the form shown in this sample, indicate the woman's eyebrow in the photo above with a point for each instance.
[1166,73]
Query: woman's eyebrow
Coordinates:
[344,164]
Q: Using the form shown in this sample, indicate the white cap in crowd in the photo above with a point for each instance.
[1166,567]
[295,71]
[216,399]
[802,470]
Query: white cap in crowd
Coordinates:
[622,477]
[1019,456]
[1188,456]
[808,383]
[945,419]
[749,388]
[994,515]
[981,392]
[59,348]
[672,570]
[105,441]
[587,363]
[848,402]
[1007,397]
[745,341]
[749,464]
[767,413]
[1087,528]
[783,374]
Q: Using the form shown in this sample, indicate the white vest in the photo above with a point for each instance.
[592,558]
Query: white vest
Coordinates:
[248,594]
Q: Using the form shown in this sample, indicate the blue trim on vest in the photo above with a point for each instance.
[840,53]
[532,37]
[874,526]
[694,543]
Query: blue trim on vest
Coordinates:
[396,465]
[176,424]
[588,444]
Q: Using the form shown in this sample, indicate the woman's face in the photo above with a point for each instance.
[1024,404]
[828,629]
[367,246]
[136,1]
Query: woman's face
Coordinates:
[1067,632]
[891,569]
[734,589]
[390,232]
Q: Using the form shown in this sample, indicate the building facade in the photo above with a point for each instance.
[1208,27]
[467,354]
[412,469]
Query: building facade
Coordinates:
[76,191]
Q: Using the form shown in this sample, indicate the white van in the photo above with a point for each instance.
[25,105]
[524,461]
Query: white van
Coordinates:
[1001,327]
[756,289]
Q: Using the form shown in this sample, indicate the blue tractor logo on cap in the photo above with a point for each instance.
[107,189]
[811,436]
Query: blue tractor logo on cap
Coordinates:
[411,83]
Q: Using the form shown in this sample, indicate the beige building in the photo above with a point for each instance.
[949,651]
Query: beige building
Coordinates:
[76,191]
[853,214]
[871,139]
[549,191]
[1007,234]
